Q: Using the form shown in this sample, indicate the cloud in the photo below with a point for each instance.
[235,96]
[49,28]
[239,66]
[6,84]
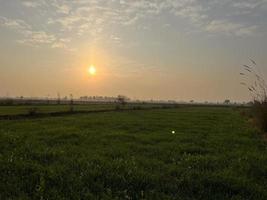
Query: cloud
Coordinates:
[101,19]
[16,24]
[33,37]
[193,13]
[230,28]
[38,37]
[62,8]
[92,17]
[32,3]
[247,4]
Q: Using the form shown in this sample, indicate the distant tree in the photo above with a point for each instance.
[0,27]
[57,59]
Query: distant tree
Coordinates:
[58,98]
[71,99]
[71,103]
[227,101]
[250,103]
[48,98]
[122,99]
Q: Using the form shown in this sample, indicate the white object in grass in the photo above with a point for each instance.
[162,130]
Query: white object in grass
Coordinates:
[173,132]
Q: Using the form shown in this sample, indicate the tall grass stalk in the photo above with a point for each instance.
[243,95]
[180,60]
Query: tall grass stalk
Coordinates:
[254,81]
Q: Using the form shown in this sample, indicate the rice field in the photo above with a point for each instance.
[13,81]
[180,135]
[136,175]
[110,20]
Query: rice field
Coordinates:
[180,153]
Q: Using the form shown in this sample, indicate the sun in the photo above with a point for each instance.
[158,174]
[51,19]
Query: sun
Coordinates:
[92,70]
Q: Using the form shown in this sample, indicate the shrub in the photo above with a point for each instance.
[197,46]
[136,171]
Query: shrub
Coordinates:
[260,114]
[137,108]
[117,107]
[165,106]
[176,106]
[7,102]
[122,100]
[32,111]
[71,108]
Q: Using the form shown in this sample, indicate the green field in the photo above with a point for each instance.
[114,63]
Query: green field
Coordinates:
[214,154]
[24,109]
[41,109]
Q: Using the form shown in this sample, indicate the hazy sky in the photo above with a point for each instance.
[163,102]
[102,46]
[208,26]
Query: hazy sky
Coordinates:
[173,49]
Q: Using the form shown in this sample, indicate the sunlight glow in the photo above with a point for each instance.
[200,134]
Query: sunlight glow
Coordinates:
[92,70]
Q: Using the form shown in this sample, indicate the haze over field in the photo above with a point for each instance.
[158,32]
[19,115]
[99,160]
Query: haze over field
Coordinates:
[173,49]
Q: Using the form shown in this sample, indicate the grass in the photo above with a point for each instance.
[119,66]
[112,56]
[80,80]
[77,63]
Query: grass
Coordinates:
[259,110]
[257,88]
[133,155]
[25,109]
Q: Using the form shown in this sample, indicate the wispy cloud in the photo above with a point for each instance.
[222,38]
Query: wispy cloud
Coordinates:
[33,37]
[31,4]
[103,18]
[17,24]
[37,38]
[247,4]
[87,16]
[230,28]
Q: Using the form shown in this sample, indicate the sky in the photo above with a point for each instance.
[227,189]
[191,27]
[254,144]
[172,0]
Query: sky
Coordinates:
[144,49]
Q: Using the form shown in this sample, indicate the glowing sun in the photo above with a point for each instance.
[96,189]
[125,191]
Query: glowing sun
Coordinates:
[92,70]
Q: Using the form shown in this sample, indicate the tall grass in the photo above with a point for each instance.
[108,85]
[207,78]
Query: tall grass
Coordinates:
[256,85]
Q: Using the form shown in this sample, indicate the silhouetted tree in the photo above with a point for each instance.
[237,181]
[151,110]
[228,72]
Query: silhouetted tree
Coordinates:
[71,103]
[58,98]
[227,101]
[122,99]
[48,96]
